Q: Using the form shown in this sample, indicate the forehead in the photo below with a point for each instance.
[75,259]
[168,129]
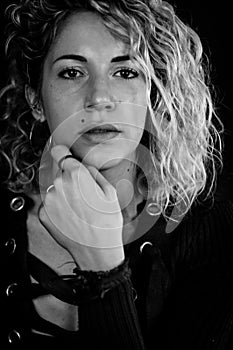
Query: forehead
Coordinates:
[85,32]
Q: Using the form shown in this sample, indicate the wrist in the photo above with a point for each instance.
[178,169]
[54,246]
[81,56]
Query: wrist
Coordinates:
[101,259]
[92,285]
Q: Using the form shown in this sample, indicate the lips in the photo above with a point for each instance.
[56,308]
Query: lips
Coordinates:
[100,128]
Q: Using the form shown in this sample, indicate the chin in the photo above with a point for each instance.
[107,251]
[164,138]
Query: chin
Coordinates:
[103,164]
[99,161]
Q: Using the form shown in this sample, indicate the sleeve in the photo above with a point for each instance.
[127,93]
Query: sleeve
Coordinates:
[111,322]
[198,312]
[195,298]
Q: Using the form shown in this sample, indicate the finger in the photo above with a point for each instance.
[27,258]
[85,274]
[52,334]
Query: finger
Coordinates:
[60,154]
[100,179]
[63,157]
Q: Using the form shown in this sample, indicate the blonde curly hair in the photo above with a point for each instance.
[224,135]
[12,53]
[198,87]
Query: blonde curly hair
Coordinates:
[182,130]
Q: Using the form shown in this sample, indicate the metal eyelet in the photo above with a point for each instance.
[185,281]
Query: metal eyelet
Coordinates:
[17,203]
[152,209]
[10,290]
[144,244]
[10,245]
[14,337]
[135,295]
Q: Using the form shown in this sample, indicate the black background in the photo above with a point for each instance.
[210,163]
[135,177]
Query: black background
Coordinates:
[213,22]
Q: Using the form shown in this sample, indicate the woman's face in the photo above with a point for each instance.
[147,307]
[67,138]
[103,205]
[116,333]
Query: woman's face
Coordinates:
[89,80]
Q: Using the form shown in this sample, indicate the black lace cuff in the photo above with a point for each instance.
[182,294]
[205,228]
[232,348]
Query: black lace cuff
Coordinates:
[92,285]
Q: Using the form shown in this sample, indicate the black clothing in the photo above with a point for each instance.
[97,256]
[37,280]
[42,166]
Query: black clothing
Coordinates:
[179,294]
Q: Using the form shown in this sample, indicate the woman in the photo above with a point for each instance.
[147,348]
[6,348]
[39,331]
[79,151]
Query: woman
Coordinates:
[112,237]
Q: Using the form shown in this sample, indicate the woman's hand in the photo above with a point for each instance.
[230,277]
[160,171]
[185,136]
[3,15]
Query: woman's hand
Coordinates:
[83,214]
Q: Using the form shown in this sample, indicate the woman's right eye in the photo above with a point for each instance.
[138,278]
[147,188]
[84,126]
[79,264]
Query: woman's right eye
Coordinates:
[70,73]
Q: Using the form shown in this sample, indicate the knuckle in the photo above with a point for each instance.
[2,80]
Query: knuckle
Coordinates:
[42,215]
[111,190]
[78,173]
[58,182]
[47,200]
[74,173]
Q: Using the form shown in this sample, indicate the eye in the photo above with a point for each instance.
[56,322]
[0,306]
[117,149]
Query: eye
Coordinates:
[70,73]
[127,73]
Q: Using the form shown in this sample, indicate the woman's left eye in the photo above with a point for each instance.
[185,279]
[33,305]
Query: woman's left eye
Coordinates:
[127,73]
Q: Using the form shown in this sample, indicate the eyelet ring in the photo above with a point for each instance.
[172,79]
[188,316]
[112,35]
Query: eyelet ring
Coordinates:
[14,337]
[17,203]
[152,209]
[10,245]
[143,245]
[10,289]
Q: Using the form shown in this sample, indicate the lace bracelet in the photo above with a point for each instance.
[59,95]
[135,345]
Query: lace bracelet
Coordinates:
[91,285]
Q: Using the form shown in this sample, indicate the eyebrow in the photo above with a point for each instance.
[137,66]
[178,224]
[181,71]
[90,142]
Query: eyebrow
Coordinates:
[83,59]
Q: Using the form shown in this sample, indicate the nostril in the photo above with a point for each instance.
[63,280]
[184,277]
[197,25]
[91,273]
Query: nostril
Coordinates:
[109,106]
[100,106]
[89,104]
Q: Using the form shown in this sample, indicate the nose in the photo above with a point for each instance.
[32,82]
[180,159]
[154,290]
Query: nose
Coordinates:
[99,97]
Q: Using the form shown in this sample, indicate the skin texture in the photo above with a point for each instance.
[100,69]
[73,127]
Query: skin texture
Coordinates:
[77,94]
[83,210]
[99,93]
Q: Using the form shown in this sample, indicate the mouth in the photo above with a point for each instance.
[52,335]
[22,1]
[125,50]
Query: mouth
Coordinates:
[100,133]
[101,128]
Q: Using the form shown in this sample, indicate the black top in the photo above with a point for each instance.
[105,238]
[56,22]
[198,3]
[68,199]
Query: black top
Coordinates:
[183,281]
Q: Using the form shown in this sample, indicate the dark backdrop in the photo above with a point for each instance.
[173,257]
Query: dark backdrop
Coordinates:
[213,22]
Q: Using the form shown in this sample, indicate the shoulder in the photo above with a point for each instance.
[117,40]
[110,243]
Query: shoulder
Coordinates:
[214,215]
[205,235]
[199,304]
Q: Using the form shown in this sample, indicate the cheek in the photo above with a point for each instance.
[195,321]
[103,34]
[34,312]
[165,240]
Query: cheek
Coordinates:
[61,112]
[139,125]
[131,92]
[141,101]
[53,105]
[137,111]
[135,95]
